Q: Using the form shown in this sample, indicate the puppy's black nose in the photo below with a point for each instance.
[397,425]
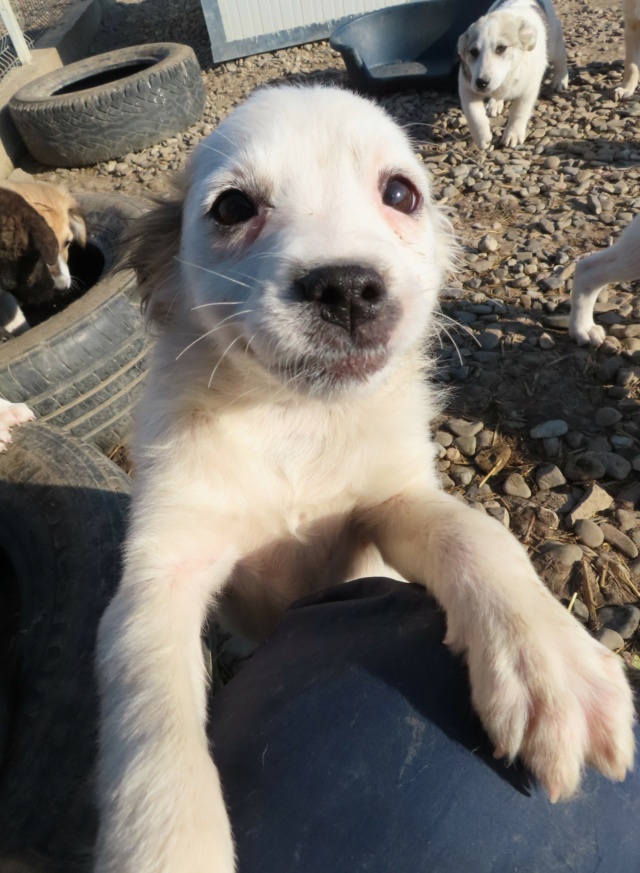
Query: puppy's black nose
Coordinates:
[481,84]
[347,294]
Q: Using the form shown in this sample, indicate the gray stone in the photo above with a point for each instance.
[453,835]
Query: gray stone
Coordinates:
[549,477]
[466,444]
[565,553]
[443,438]
[461,427]
[619,540]
[582,468]
[610,639]
[461,475]
[490,339]
[515,486]
[546,429]
[594,500]
[580,611]
[615,465]
[589,533]
[606,416]
[624,619]
[552,446]
[500,513]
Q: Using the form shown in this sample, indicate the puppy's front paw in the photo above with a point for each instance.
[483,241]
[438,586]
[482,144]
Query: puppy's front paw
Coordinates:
[483,139]
[560,84]
[12,414]
[558,699]
[621,93]
[494,107]
[588,335]
[514,136]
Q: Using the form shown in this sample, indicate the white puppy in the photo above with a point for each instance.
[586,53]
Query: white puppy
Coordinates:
[618,263]
[631,15]
[283,445]
[504,56]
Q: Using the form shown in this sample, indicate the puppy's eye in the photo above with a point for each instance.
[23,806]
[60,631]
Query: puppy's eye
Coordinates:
[501,49]
[233,207]
[67,243]
[401,195]
[474,52]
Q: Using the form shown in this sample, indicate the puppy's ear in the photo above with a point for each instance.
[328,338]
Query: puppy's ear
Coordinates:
[78,226]
[43,239]
[463,44]
[527,35]
[150,248]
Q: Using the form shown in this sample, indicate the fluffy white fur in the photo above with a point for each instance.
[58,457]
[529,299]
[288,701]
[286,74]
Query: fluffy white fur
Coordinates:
[618,263]
[503,57]
[631,16]
[275,457]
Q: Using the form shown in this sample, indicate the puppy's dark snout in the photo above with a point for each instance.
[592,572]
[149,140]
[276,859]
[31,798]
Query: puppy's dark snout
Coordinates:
[347,295]
[481,84]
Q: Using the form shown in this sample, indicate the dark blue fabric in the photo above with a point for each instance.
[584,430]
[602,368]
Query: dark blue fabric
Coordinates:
[348,744]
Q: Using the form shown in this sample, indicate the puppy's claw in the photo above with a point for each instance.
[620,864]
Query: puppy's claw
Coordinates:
[622,94]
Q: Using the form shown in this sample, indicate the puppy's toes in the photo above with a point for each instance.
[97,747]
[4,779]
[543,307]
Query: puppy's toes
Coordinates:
[513,137]
[589,335]
[560,701]
[494,107]
[560,84]
[621,93]
[12,414]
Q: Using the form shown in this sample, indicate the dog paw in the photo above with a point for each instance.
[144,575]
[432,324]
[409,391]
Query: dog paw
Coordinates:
[558,700]
[494,107]
[483,141]
[513,137]
[560,84]
[621,94]
[589,335]
[12,414]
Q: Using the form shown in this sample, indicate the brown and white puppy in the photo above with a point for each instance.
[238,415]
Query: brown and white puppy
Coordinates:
[283,445]
[631,15]
[62,213]
[503,56]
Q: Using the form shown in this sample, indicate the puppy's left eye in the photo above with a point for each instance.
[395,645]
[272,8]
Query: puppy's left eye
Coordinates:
[501,49]
[401,195]
[233,207]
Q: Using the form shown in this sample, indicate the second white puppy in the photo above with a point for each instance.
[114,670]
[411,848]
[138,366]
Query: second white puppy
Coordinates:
[504,56]
[619,263]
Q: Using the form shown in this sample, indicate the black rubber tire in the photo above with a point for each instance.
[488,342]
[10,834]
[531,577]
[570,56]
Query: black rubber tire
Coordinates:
[63,509]
[159,93]
[82,369]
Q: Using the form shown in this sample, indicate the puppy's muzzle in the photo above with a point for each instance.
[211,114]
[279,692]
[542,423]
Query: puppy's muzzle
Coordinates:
[346,295]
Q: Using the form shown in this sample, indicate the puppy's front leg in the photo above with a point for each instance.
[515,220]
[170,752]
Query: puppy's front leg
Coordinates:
[544,689]
[475,113]
[161,806]
[516,130]
[629,83]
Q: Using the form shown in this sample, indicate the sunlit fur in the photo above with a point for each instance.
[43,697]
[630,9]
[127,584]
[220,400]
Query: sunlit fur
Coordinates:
[261,477]
[508,49]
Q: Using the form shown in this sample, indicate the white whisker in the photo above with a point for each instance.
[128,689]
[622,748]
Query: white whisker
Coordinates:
[213,372]
[213,272]
[213,330]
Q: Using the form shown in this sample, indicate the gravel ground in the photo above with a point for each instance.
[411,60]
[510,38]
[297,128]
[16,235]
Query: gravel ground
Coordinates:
[539,433]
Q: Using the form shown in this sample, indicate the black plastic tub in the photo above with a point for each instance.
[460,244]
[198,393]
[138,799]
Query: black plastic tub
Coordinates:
[408,46]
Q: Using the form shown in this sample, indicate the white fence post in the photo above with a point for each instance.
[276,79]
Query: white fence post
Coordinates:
[17,38]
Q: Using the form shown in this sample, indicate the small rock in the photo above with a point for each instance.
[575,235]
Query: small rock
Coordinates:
[466,444]
[460,427]
[565,553]
[490,339]
[515,486]
[623,619]
[594,500]
[549,477]
[580,611]
[615,465]
[553,428]
[488,244]
[610,639]
[546,342]
[619,540]
[461,475]
[589,533]
[443,438]
[500,513]
[606,416]
[584,467]
[552,446]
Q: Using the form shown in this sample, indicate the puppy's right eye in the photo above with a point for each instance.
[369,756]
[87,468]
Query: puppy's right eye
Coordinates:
[474,52]
[233,207]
